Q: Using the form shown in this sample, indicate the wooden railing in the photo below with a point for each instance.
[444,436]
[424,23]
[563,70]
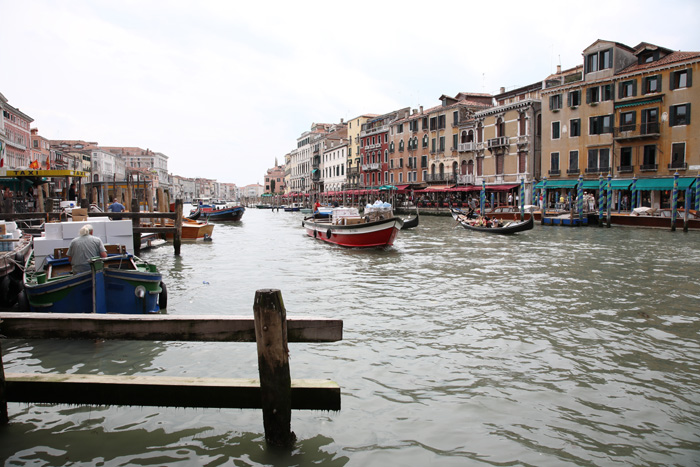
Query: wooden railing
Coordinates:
[274,392]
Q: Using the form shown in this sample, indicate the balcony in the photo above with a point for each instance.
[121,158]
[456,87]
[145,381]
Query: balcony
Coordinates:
[598,170]
[465,179]
[371,167]
[353,171]
[625,169]
[572,171]
[496,143]
[466,147]
[554,172]
[649,167]
[443,177]
[641,131]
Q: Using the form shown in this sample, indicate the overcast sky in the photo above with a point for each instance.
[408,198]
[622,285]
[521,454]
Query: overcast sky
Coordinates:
[225,87]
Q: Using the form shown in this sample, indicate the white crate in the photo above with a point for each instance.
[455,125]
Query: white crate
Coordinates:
[53,230]
[123,227]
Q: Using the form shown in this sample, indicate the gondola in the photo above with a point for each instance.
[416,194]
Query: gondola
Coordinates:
[410,223]
[509,228]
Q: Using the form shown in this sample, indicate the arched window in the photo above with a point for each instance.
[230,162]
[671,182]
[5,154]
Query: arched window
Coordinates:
[463,170]
[500,127]
[401,145]
[470,167]
[425,141]
[442,169]
[454,167]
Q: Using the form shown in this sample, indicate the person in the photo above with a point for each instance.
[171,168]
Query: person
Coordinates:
[317,206]
[116,206]
[510,199]
[83,248]
[335,203]
[71,192]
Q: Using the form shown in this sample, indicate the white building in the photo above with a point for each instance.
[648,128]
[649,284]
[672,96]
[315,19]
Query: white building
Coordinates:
[107,167]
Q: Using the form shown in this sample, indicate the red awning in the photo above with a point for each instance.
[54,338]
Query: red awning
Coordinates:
[402,188]
[501,187]
[467,188]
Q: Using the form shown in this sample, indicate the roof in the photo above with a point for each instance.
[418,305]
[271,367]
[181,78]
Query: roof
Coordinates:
[674,57]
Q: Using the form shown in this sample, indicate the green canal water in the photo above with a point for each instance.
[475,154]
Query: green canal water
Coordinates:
[555,347]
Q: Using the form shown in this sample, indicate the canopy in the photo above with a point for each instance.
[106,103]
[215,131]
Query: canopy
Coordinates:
[501,187]
[652,184]
[558,184]
[387,187]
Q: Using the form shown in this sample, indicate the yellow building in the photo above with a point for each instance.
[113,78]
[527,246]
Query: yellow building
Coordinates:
[354,150]
[628,117]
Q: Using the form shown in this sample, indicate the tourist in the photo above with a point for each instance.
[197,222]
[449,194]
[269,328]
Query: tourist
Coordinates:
[71,192]
[83,248]
[317,206]
[116,206]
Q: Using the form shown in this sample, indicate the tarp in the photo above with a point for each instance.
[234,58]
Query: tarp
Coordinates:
[652,184]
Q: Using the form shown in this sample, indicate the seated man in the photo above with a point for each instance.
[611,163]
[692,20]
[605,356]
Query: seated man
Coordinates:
[83,248]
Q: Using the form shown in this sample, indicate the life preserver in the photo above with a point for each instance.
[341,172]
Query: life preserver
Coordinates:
[328,233]
[163,296]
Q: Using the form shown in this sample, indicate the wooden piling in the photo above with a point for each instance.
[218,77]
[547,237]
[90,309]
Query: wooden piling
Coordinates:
[273,366]
[177,236]
[3,394]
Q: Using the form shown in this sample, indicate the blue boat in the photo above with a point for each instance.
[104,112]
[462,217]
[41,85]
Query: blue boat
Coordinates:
[120,283]
[217,213]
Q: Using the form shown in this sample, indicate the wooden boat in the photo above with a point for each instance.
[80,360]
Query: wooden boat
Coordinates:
[228,212]
[13,256]
[347,228]
[507,228]
[295,207]
[410,223]
[120,283]
[660,219]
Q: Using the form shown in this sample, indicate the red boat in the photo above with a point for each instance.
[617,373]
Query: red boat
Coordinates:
[346,228]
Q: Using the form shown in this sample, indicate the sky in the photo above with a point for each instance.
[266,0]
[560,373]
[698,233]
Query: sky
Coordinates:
[224,88]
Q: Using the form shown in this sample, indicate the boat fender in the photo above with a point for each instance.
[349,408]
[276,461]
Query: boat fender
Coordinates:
[328,233]
[163,297]
[315,233]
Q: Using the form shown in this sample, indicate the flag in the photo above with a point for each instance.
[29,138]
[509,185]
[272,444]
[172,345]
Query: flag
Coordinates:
[34,164]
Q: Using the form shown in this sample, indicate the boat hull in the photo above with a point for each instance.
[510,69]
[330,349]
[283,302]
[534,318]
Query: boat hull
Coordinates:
[508,230]
[380,233]
[103,289]
[227,214]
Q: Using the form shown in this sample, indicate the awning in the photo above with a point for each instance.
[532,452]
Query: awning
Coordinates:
[501,187]
[618,184]
[558,184]
[467,188]
[638,102]
[652,184]
[401,188]
[435,189]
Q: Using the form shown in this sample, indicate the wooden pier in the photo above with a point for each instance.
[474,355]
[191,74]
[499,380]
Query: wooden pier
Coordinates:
[274,392]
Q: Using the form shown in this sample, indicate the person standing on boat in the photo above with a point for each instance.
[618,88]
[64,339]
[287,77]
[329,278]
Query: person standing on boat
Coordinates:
[116,206]
[317,206]
[83,248]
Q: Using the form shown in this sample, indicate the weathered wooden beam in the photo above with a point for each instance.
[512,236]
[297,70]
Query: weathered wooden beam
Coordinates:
[154,229]
[136,215]
[273,366]
[177,236]
[211,328]
[161,391]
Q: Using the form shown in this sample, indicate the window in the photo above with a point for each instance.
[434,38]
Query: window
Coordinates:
[423,162]
[649,161]
[574,128]
[391,147]
[399,128]
[425,123]
[442,144]
[455,142]
[574,98]
[500,127]
[598,160]
[425,141]
[679,115]
[650,121]
[599,60]
[441,122]
[628,121]
[556,133]
[606,92]
[555,102]
[593,95]
[554,163]
[401,145]
[600,125]
[455,118]
[651,84]
[626,159]
[604,159]
[573,162]
[522,124]
[432,145]
[677,156]
[628,89]
[433,123]
[681,79]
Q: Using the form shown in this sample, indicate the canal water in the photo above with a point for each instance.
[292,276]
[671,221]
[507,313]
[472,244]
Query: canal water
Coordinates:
[553,347]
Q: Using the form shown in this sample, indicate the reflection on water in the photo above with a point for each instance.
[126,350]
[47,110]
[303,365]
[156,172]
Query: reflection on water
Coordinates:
[554,347]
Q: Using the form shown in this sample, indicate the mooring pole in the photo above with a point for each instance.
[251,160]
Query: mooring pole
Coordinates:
[3,394]
[273,366]
[177,236]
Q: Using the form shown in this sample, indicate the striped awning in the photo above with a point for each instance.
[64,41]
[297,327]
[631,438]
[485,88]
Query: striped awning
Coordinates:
[638,102]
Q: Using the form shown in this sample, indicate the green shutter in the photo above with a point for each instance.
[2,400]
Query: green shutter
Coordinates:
[672,84]
[634,87]
[658,83]
[687,111]
[690,77]
[620,90]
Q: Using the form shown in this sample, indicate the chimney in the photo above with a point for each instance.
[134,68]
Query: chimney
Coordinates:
[558,69]
[502,90]
[341,121]
[421,109]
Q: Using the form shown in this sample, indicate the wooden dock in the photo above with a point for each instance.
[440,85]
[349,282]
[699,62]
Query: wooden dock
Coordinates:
[274,392]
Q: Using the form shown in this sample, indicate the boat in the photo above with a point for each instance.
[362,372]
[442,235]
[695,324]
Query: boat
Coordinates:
[228,212]
[295,207]
[192,230]
[481,224]
[14,251]
[410,223]
[655,218]
[347,228]
[119,283]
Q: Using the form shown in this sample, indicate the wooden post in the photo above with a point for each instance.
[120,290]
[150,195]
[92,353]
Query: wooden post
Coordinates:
[3,395]
[273,366]
[177,236]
